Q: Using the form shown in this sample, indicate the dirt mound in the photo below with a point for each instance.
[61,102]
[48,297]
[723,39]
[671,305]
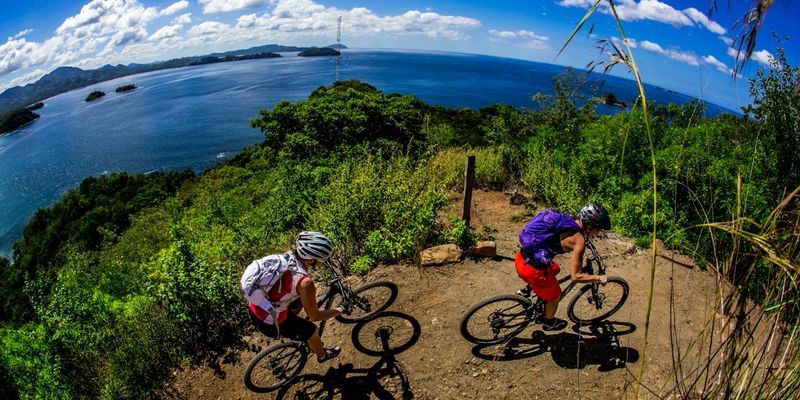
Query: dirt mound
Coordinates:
[440,364]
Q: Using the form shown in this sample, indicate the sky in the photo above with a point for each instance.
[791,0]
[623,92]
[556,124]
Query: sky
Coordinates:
[675,42]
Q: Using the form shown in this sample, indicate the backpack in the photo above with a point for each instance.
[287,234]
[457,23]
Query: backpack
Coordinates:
[263,274]
[540,237]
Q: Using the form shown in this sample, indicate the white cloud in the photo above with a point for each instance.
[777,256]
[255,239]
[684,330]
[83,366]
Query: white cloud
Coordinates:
[174,7]
[217,6]
[630,10]
[166,32]
[23,80]
[208,28]
[719,65]
[631,42]
[182,19]
[702,19]
[762,56]
[673,53]
[728,41]
[246,21]
[652,10]
[521,38]
[23,33]
[20,53]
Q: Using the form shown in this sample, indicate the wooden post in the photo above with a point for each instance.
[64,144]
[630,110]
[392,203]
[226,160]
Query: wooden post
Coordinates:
[469,178]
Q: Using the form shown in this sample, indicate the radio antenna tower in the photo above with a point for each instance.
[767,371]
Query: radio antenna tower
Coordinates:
[338,46]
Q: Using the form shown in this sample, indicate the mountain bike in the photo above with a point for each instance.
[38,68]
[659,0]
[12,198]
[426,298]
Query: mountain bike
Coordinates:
[278,364]
[499,318]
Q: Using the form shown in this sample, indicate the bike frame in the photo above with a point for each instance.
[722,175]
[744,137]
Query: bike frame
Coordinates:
[587,269]
[335,286]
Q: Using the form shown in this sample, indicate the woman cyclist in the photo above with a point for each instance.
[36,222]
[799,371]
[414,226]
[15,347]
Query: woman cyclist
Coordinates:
[549,233]
[278,286]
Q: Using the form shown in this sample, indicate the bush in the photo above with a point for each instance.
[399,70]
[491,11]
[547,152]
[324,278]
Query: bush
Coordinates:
[491,171]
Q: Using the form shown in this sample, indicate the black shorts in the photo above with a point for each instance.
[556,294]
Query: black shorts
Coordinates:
[293,327]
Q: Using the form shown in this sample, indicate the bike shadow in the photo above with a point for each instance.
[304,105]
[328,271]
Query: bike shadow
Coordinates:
[597,344]
[384,336]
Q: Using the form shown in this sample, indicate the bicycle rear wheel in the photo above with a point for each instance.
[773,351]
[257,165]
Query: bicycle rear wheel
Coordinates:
[594,305]
[275,366]
[496,319]
[369,300]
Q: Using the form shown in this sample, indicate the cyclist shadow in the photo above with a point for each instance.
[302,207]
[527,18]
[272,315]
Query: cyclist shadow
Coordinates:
[597,344]
[384,336]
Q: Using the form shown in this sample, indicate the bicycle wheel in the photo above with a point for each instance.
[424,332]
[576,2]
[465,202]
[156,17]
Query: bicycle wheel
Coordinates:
[390,333]
[275,366]
[369,300]
[496,319]
[590,306]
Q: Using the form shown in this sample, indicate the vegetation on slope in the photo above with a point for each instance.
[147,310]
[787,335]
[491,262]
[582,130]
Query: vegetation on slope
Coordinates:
[122,291]
[17,119]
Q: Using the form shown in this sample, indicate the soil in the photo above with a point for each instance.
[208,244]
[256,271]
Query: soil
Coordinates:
[576,363]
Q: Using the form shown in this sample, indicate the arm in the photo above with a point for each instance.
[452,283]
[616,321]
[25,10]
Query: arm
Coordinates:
[578,245]
[308,297]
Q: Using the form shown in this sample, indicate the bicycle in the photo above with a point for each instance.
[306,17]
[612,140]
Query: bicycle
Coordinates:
[277,365]
[499,318]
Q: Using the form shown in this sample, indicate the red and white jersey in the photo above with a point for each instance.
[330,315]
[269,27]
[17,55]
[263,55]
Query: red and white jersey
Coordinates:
[282,294]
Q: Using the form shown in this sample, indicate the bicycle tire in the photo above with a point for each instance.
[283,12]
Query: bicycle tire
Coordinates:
[616,286]
[363,301]
[473,327]
[286,361]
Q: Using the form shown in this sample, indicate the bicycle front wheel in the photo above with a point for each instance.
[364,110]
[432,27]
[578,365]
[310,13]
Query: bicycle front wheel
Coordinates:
[595,302]
[275,366]
[369,300]
[496,319]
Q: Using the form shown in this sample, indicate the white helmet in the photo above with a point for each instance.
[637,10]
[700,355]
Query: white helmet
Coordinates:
[313,246]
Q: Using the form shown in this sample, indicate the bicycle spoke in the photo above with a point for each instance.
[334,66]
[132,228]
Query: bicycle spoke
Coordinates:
[593,304]
[496,319]
[275,366]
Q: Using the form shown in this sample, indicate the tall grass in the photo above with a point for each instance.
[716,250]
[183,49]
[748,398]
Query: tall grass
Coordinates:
[756,354]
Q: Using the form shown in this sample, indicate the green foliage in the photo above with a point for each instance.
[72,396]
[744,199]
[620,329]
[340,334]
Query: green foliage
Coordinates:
[88,217]
[776,107]
[568,109]
[460,234]
[335,118]
[491,170]
[16,119]
[29,369]
[385,207]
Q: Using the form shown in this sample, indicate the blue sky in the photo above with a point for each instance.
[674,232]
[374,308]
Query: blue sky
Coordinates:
[676,44]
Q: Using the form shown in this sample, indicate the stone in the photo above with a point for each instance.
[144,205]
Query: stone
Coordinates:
[485,248]
[438,255]
[518,199]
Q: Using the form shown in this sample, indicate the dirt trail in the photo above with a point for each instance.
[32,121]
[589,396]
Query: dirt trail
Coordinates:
[442,365]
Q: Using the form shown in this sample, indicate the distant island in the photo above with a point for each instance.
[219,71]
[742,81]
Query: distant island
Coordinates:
[612,100]
[95,95]
[319,51]
[64,79]
[125,88]
[16,119]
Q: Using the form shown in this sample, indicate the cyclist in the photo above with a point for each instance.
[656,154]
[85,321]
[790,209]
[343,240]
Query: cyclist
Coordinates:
[274,299]
[549,233]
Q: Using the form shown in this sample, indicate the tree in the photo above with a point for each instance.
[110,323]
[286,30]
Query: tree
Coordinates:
[776,105]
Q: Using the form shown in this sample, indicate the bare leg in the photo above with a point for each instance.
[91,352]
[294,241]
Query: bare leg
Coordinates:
[550,309]
[315,344]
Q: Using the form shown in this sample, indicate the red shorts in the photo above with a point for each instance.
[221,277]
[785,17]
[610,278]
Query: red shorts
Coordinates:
[543,281]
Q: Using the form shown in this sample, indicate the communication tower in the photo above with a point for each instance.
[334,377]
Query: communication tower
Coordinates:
[338,46]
